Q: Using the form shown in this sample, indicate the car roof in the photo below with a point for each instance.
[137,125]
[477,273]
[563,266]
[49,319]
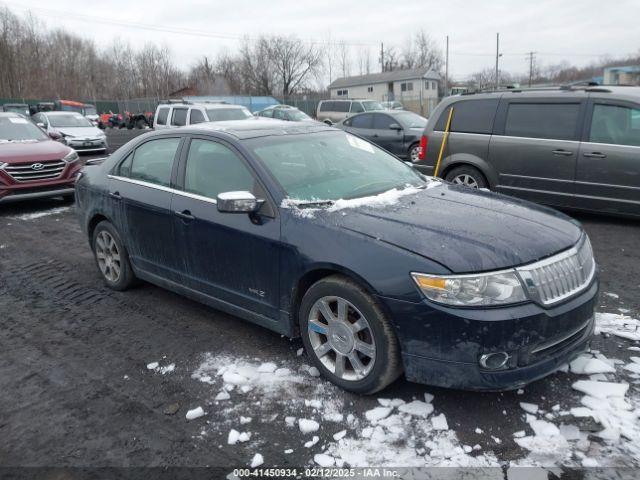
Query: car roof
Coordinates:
[252,128]
[202,104]
[9,114]
[59,113]
[577,91]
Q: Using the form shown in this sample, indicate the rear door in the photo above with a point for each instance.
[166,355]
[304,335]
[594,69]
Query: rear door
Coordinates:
[535,145]
[142,186]
[388,138]
[608,171]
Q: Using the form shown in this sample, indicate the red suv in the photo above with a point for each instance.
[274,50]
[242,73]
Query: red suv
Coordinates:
[31,164]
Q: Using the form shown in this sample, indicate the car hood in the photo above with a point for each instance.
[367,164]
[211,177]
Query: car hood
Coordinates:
[465,230]
[82,132]
[25,152]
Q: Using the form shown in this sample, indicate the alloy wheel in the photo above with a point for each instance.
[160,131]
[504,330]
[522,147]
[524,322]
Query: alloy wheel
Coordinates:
[108,256]
[414,154]
[466,180]
[341,338]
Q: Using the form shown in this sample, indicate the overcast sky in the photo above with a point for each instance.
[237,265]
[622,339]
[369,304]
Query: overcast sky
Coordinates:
[577,31]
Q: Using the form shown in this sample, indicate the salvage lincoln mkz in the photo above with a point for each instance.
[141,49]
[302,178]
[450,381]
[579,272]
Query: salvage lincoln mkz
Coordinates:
[311,231]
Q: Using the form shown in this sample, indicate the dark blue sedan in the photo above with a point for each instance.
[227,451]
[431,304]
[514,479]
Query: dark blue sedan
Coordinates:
[313,232]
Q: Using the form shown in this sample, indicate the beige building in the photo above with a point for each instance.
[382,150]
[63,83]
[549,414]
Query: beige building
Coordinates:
[628,75]
[417,89]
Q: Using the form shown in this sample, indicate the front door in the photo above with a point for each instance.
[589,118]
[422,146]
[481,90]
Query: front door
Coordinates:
[534,149]
[141,186]
[608,172]
[386,137]
[231,257]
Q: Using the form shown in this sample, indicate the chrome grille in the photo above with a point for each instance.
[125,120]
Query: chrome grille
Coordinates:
[561,276]
[26,172]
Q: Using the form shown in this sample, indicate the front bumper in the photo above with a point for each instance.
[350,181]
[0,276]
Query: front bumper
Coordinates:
[442,346]
[81,145]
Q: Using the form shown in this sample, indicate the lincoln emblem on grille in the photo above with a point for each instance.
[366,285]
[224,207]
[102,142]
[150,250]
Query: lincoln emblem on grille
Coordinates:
[37,166]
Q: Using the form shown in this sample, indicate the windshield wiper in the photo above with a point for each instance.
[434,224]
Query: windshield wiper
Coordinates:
[315,203]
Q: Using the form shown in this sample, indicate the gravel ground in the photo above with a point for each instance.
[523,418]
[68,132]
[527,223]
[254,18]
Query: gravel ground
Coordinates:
[76,387]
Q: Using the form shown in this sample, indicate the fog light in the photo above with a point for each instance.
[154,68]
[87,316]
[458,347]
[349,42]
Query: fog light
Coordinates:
[494,361]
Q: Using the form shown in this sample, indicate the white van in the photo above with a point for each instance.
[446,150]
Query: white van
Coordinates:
[172,115]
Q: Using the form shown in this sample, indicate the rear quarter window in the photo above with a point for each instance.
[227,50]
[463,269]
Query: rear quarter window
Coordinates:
[556,121]
[161,118]
[470,116]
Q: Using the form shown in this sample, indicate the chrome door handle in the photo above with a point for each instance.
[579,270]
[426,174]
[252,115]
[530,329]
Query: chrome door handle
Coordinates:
[185,215]
[566,153]
[594,155]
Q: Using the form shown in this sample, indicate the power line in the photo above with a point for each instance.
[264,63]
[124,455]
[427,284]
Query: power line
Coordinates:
[165,28]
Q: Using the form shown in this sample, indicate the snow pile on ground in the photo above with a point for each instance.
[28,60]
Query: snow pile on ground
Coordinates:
[392,433]
[619,325]
[155,366]
[603,430]
[44,213]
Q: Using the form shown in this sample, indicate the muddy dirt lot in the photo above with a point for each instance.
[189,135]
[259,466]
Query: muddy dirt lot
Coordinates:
[91,377]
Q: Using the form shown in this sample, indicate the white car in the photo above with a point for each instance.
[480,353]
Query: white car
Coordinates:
[72,129]
[172,115]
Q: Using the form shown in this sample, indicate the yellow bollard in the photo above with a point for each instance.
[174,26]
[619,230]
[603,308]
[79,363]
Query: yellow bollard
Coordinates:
[444,141]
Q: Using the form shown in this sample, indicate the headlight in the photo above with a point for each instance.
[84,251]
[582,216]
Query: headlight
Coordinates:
[71,157]
[497,288]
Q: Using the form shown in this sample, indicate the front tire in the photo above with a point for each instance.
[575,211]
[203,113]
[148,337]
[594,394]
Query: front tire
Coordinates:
[348,337]
[467,176]
[111,257]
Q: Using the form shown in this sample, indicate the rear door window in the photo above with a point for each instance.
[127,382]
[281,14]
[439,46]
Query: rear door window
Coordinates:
[356,107]
[153,161]
[615,124]
[556,121]
[470,116]
[196,116]
[362,121]
[179,117]
[382,121]
[342,106]
[163,113]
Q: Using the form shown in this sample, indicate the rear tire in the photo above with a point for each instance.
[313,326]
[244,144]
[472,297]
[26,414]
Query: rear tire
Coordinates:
[358,350]
[111,257]
[467,176]
[414,153]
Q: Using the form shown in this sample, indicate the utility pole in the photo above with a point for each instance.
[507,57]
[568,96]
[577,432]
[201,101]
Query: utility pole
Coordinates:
[532,57]
[497,58]
[382,56]
[446,70]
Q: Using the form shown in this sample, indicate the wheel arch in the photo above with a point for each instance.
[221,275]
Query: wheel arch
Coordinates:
[93,222]
[314,275]
[462,160]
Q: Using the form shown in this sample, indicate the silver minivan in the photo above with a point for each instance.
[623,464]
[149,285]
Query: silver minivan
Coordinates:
[334,111]
[172,115]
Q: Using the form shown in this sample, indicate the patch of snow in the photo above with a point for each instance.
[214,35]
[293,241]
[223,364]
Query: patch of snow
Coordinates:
[586,365]
[619,325]
[378,413]
[257,460]
[245,420]
[417,408]
[439,422]
[223,396]
[152,365]
[529,407]
[195,413]
[312,442]
[324,460]
[340,435]
[45,213]
[308,426]
[612,295]
[601,389]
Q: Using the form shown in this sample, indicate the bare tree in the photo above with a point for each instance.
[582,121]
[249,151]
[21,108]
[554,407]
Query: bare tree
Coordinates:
[344,58]
[420,51]
[293,61]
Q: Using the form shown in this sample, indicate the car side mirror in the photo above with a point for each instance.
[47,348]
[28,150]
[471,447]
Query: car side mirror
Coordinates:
[238,202]
[54,136]
[40,124]
[395,126]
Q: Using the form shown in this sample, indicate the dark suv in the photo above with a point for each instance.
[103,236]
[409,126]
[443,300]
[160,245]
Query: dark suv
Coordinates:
[575,148]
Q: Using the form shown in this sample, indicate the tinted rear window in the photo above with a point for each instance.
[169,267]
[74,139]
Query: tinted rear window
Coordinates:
[341,106]
[470,116]
[179,117]
[162,116]
[326,106]
[542,120]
